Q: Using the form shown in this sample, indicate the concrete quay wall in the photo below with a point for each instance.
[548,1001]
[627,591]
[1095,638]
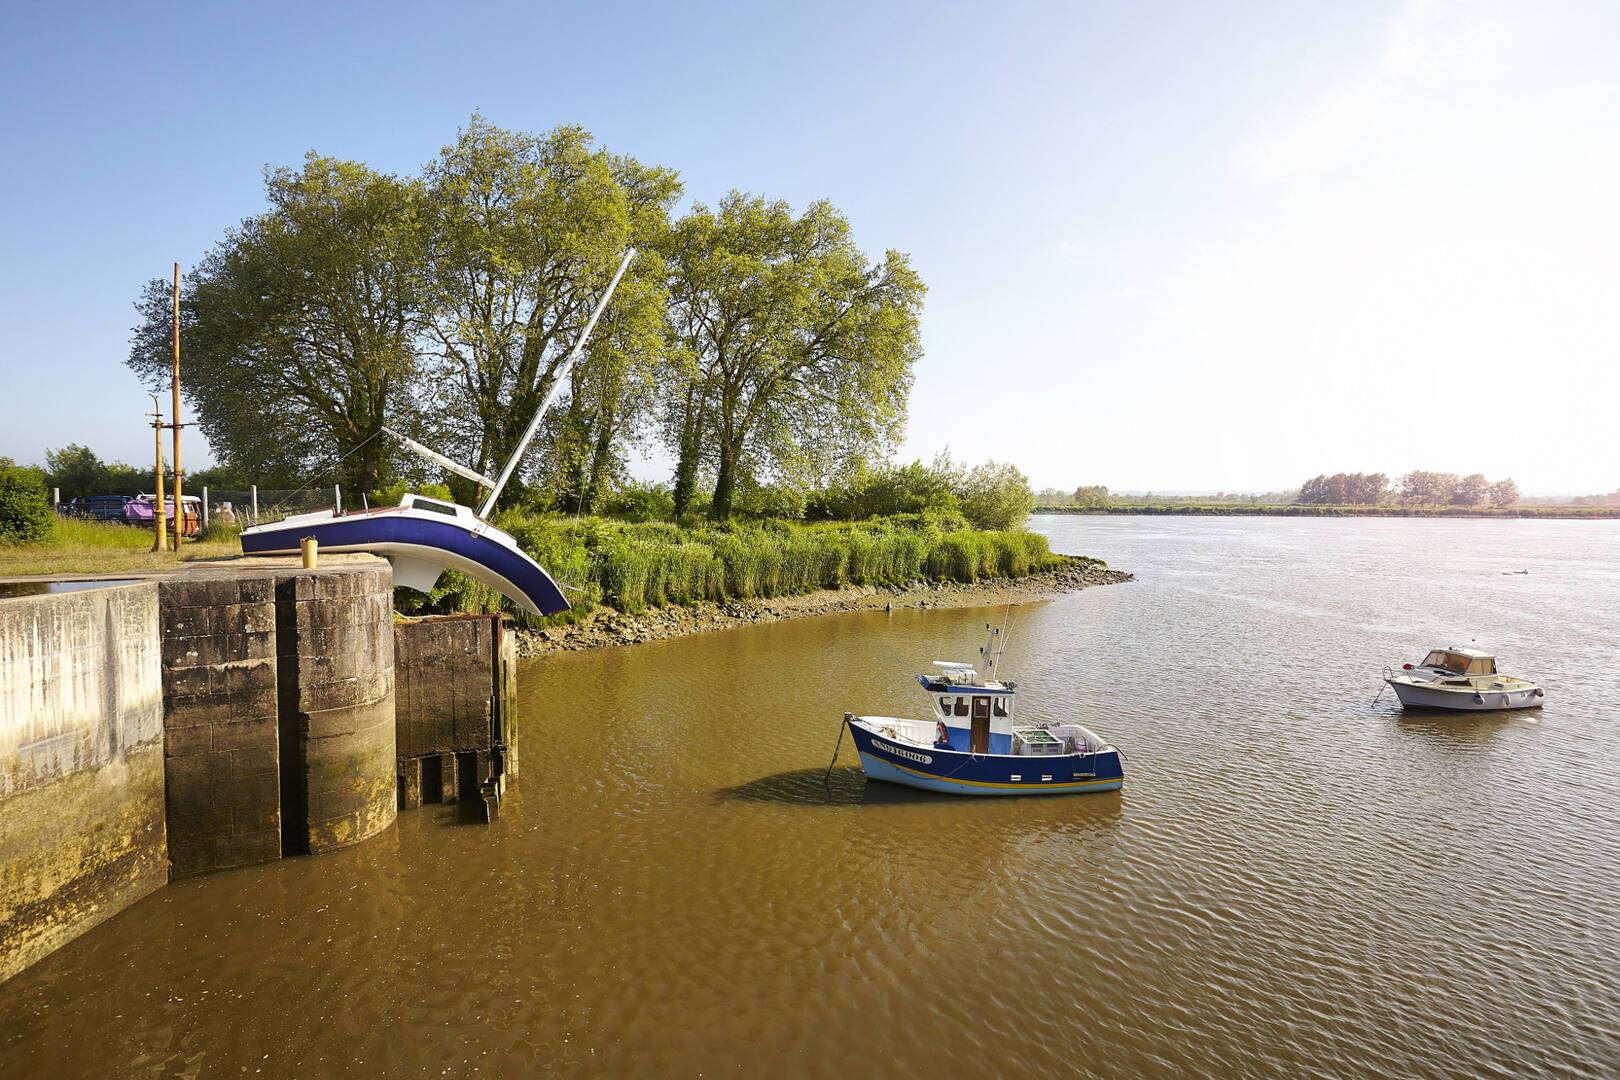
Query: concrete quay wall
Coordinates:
[278,709]
[335,648]
[455,681]
[224,714]
[82,830]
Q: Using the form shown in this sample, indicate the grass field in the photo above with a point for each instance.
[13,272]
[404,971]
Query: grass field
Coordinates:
[95,547]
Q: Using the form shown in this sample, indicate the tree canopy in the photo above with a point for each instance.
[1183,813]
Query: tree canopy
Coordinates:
[299,327]
[762,345]
[798,352]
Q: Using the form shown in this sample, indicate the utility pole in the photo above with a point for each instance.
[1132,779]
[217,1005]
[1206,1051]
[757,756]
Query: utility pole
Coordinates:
[160,542]
[179,504]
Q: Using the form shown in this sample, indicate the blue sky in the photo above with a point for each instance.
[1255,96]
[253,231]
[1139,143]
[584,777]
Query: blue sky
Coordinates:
[1169,246]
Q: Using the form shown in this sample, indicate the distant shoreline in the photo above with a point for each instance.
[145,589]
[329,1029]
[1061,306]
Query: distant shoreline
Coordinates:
[1576,513]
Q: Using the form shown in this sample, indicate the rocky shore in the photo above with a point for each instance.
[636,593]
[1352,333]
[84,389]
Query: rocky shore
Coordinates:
[606,627]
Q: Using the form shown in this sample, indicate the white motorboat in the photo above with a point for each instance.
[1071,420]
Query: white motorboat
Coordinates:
[1461,679]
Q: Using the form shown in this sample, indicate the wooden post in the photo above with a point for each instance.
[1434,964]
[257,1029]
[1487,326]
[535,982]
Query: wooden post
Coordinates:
[179,504]
[160,541]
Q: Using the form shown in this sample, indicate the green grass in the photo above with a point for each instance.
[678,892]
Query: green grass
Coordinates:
[632,567]
[77,546]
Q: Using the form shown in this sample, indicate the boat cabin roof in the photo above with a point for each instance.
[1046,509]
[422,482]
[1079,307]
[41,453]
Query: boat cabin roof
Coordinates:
[963,680]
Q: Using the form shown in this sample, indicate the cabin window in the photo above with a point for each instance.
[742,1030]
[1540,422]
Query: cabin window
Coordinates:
[961,706]
[435,506]
[944,706]
[1483,666]
[1455,663]
[1001,706]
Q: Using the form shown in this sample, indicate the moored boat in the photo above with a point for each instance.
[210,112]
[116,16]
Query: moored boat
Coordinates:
[423,537]
[974,744]
[1462,679]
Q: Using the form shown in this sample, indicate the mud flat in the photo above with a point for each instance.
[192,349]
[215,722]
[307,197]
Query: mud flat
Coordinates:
[606,627]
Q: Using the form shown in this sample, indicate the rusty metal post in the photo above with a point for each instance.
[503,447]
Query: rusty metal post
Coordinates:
[160,540]
[179,504]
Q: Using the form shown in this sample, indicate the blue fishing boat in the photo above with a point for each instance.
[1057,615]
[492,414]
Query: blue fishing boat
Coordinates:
[974,744]
[423,537]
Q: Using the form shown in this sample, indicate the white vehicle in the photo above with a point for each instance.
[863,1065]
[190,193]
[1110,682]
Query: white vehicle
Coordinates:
[1461,679]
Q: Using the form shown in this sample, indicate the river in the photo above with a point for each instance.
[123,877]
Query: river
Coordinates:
[1296,881]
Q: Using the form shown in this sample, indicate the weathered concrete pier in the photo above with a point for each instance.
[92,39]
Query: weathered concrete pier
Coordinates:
[219,715]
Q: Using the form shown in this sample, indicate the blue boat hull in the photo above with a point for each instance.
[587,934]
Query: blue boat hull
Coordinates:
[960,773]
[410,537]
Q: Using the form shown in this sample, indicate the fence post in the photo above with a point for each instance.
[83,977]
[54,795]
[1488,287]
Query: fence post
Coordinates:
[253,491]
[337,498]
[56,498]
[205,507]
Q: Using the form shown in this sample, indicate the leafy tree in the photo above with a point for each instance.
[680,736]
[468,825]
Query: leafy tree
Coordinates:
[1344,489]
[1470,490]
[1428,488]
[75,471]
[1091,498]
[883,491]
[800,350]
[298,328]
[25,511]
[529,230]
[996,496]
[1503,493]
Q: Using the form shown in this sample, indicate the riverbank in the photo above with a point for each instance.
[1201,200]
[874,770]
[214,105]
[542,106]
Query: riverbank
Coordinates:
[605,627]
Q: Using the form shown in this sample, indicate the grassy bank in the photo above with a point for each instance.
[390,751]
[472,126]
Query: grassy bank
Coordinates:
[77,546]
[1296,510]
[631,567]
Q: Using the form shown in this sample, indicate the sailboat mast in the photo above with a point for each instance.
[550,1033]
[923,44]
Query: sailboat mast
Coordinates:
[556,388]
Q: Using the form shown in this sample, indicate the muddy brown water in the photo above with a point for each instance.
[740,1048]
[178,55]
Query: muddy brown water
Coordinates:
[1295,882]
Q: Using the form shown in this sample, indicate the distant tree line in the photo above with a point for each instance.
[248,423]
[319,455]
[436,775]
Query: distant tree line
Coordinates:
[1416,488]
[758,347]
[75,471]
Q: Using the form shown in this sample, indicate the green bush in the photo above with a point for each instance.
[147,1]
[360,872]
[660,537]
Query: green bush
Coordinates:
[25,511]
[636,565]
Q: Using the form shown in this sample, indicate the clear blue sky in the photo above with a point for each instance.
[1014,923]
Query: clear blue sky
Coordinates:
[1169,246]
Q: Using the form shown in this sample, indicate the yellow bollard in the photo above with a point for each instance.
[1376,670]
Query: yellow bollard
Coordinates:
[307,547]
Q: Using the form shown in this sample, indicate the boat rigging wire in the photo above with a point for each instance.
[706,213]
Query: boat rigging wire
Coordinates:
[279,503]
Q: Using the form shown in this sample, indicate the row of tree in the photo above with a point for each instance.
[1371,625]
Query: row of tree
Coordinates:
[76,470]
[1416,488]
[750,341]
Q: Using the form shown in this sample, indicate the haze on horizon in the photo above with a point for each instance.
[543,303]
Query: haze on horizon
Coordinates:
[1168,248]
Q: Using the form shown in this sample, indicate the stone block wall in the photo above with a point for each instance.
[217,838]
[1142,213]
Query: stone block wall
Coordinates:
[335,645]
[454,685]
[81,764]
[220,749]
[278,685]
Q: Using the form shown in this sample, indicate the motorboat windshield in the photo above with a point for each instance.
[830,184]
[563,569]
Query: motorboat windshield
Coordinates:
[1458,663]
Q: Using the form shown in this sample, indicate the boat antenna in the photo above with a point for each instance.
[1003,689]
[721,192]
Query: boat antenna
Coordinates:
[556,388]
[1006,622]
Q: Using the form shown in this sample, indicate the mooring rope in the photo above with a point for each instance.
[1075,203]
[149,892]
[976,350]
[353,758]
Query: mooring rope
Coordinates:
[839,745]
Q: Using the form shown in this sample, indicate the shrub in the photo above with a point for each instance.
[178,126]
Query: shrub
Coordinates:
[996,496]
[25,512]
